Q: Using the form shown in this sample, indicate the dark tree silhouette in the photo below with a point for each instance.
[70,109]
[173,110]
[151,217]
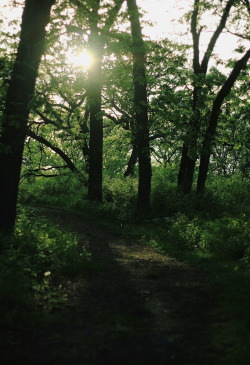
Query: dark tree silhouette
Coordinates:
[212,125]
[97,40]
[189,150]
[94,102]
[141,110]
[35,17]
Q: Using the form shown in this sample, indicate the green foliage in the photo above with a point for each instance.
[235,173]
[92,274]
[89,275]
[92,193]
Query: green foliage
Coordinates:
[47,248]
[226,237]
[166,200]
[61,191]
[164,196]
[221,239]
[33,260]
[232,194]
[214,223]
[120,194]
[185,233]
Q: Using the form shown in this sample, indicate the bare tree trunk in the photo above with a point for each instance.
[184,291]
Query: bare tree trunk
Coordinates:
[211,129]
[141,110]
[97,42]
[35,17]
[94,104]
[132,162]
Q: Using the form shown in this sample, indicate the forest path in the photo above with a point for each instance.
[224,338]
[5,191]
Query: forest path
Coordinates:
[133,306]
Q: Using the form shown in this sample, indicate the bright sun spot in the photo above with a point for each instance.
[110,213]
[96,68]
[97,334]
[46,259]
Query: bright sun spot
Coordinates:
[82,59]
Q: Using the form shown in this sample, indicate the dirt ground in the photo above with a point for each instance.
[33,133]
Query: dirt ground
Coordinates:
[133,306]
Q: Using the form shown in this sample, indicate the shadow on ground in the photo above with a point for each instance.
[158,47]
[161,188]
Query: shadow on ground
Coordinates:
[134,306]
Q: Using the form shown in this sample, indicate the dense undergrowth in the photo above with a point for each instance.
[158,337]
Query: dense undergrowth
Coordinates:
[34,264]
[215,223]
[210,232]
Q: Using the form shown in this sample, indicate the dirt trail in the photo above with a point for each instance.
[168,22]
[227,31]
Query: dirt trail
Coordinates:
[134,306]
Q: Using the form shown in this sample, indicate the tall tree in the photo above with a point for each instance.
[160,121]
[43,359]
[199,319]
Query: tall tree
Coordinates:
[94,101]
[97,40]
[141,110]
[62,114]
[212,125]
[189,149]
[35,17]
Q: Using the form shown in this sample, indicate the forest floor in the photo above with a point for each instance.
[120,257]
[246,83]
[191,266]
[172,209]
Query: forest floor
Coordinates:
[134,305]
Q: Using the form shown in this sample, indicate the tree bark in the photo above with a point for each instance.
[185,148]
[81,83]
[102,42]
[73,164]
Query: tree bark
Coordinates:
[96,119]
[35,17]
[141,110]
[189,150]
[97,43]
[132,162]
[211,129]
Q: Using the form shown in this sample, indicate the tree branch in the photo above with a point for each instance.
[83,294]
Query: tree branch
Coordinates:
[226,88]
[36,175]
[49,121]
[122,120]
[58,151]
[238,35]
[196,37]
[215,36]
[112,14]
[48,168]
[213,120]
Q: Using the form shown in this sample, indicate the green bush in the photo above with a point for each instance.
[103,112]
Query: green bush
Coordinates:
[61,191]
[37,254]
[166,200]
[222,196]
[46,247]
[231,194]
[227,237]
[185,232]
[164,195]
[224,238]
[178,234]
[120,196]
[214,222]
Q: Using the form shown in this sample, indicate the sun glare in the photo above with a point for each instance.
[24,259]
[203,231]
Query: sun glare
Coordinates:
[82,59]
